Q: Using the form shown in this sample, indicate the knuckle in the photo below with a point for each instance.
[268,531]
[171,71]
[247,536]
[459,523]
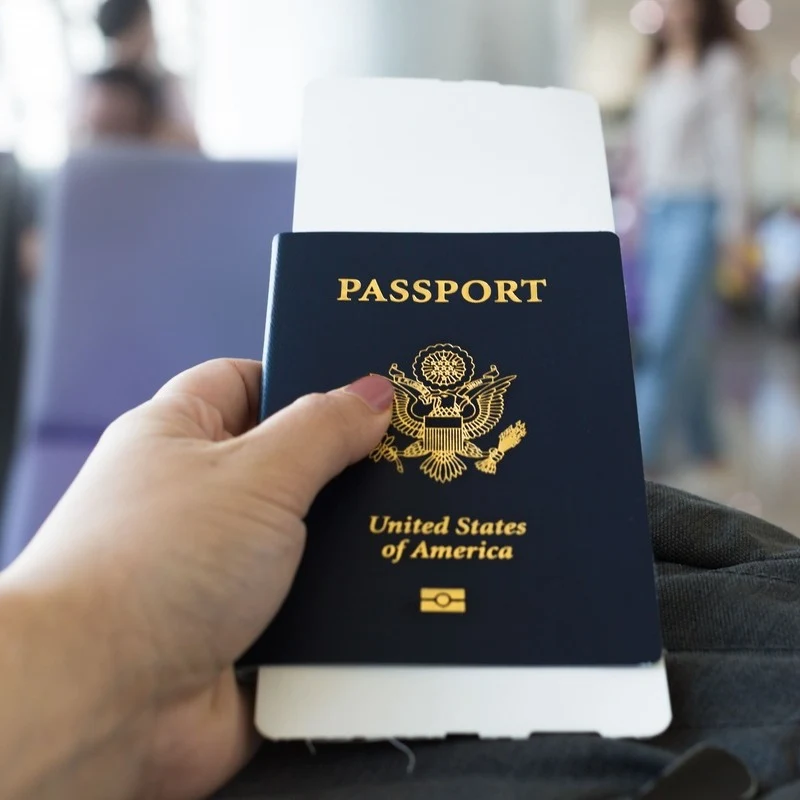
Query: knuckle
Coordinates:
[331,418]
[314,404]
[124,426]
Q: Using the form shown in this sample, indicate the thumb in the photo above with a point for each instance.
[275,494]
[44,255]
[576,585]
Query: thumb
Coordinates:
[301,448]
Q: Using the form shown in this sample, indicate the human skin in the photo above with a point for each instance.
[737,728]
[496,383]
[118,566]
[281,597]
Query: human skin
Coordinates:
[171,552]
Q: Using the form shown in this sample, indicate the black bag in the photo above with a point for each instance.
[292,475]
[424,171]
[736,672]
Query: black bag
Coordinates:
[729,588]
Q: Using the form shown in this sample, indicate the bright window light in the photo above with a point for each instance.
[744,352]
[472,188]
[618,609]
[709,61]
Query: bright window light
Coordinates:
[647,16]
[45,46]
[754,15]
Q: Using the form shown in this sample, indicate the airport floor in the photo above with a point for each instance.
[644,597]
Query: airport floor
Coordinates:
[758,391]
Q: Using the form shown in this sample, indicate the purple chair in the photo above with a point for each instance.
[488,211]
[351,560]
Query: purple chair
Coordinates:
[158,261]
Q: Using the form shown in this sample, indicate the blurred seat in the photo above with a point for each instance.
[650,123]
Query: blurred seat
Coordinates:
[156,262]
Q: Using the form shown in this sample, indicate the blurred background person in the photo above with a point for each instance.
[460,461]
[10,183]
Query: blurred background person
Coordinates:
[122,104]
[243,66]
[690,140]
[16,266]
[133,61]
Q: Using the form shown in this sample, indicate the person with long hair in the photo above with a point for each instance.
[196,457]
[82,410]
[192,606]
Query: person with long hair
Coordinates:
[690,141]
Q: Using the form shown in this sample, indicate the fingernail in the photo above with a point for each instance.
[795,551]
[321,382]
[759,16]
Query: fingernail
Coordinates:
[377,392]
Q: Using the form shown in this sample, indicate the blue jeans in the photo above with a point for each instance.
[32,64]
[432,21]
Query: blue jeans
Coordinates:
[674,381]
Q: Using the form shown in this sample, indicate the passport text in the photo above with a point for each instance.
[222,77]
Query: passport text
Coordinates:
[402,290]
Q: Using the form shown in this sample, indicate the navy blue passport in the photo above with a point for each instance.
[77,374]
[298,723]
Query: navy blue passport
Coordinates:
[502,519]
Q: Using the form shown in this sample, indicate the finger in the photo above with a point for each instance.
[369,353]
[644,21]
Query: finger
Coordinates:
[311,441]
[231,386]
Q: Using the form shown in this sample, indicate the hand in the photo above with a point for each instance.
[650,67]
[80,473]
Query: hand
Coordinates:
[736,269]
[171,552]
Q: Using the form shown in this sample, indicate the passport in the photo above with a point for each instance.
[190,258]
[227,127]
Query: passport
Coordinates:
[502,518]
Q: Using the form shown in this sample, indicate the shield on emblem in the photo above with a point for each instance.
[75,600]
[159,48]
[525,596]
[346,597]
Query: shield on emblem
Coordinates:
[444,434]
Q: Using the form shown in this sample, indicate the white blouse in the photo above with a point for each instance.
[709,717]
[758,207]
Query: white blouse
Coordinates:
[690,134]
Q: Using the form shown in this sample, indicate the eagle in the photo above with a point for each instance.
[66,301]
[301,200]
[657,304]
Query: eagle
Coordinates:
[444,422]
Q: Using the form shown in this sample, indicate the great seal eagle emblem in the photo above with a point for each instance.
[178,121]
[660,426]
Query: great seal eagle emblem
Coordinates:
[444,409]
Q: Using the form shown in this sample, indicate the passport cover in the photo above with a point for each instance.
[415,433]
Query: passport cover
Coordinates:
[502,519]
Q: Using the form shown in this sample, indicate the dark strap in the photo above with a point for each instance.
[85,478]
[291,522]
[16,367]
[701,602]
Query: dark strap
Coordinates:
[703,773]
